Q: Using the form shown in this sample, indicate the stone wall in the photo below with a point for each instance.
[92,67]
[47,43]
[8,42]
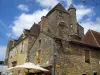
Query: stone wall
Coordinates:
[31,42]
[54,19]
[46,49]
[80,31]
[18,53]
[70,57]
[67,20]
[72,61]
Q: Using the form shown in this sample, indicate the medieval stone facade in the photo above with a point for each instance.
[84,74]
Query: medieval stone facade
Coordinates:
[58,37]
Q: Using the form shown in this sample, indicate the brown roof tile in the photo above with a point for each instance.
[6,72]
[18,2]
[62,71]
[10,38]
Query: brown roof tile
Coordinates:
[84,44]
[92,38]
[97,37]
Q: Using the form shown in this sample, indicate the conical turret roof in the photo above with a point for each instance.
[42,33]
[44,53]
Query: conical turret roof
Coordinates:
[71,7]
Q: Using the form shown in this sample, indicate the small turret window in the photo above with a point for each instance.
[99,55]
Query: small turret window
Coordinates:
[71,25]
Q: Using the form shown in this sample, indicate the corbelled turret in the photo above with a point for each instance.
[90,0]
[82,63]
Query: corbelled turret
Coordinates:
[73,20]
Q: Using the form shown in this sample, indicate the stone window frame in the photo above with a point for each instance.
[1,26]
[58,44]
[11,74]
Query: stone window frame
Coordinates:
[61,26]
[38,53]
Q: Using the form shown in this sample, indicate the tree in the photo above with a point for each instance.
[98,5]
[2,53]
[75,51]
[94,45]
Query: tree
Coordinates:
[1,62]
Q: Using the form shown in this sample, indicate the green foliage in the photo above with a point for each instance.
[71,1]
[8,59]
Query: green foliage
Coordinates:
[1,62]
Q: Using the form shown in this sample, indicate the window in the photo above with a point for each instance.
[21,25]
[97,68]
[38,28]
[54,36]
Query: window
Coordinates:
[39,44]
[38,52]
[83,74]
[87,57]
[38,56]
[22,47]
[14,63]
[60,30]
[95,73]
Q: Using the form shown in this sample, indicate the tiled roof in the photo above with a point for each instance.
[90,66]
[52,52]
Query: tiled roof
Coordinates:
[81,43]
[71,7]
[96,36]
[92,38]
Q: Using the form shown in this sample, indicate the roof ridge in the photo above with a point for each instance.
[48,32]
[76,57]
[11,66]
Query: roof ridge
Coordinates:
[59,6]
[94,31]
[94,38]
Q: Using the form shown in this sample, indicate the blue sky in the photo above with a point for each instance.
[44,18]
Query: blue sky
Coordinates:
[16,15]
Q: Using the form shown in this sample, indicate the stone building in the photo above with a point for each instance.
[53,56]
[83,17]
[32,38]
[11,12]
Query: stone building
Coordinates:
[58,40]
[17,50]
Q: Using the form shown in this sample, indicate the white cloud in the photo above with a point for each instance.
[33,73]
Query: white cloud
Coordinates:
[68,2]
[25,21]
[48,3]
[23,7]
[52,3]
[88,24]
[2,52]
[83,11]
[84,17]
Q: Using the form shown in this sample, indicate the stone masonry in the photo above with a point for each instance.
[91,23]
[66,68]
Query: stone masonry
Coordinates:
[61,34]
[58,36]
